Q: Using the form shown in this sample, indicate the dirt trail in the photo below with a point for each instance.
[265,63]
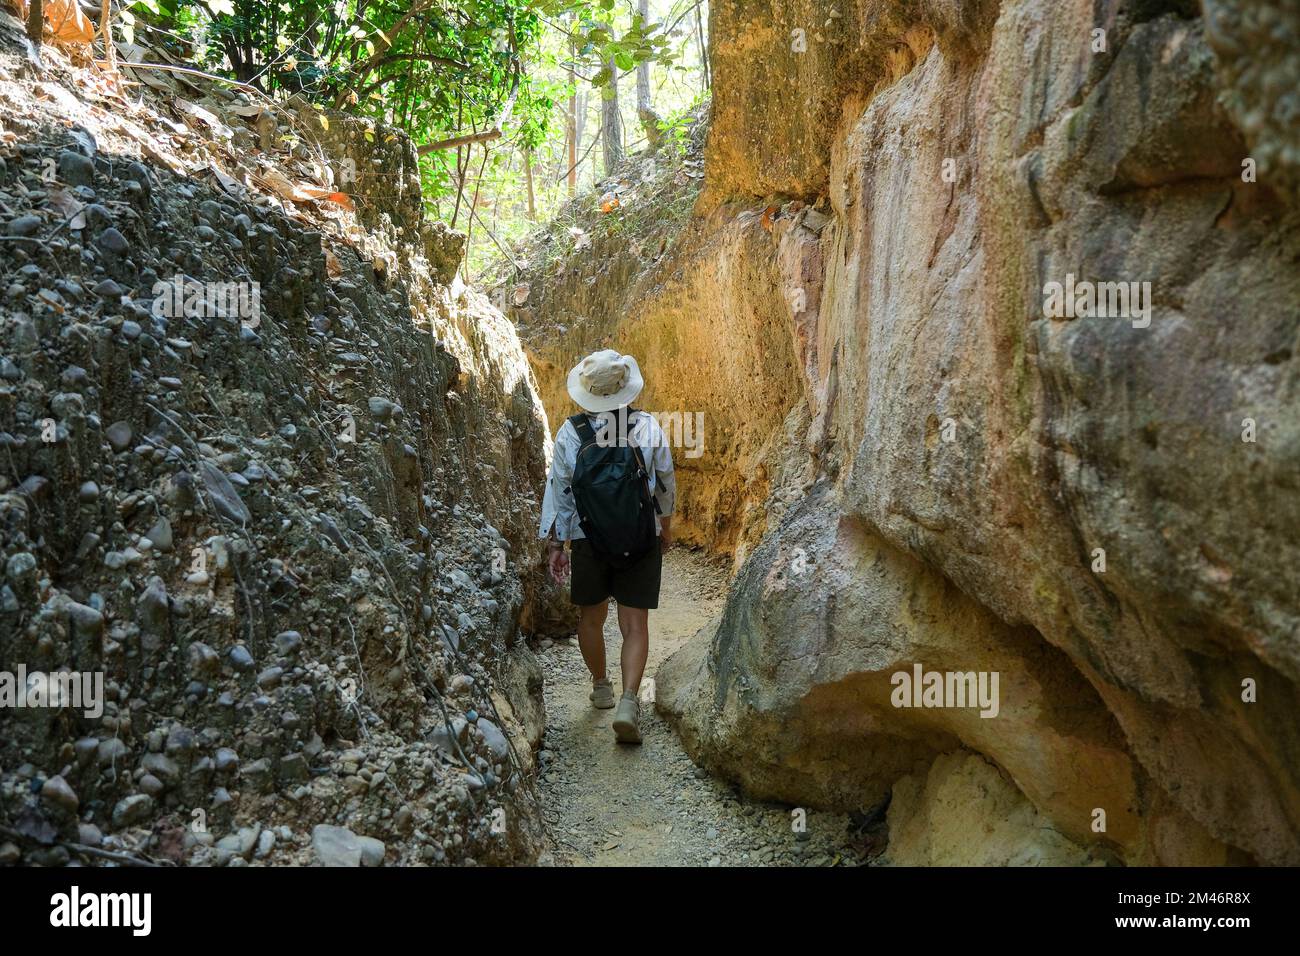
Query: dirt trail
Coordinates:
[611,805]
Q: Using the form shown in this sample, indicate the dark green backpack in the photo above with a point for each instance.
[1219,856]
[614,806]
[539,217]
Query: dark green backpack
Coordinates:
[615,508]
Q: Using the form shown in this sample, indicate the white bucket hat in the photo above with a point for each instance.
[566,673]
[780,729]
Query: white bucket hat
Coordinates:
[605,381]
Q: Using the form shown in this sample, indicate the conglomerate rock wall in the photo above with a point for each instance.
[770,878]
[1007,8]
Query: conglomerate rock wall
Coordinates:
[296,542]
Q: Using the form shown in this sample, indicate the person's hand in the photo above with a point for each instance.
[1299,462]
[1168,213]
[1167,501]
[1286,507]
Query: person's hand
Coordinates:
[558,562]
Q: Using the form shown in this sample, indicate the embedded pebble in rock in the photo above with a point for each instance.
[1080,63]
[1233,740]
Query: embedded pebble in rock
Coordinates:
[86,621]
[496,740]
[240,659]
[119,436]
[226,760]
[372,851]
[111,240]
[56,792]
[383,410]
[21,568]
[112,751]
[108,289]
[76,169]
[153,606]
[23,226]
[132,810]
[160,535]
[339,846]
[238,844]
[203,660]
[287,642]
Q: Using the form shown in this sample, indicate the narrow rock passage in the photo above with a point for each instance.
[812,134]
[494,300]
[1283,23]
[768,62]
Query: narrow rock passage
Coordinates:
[612,805]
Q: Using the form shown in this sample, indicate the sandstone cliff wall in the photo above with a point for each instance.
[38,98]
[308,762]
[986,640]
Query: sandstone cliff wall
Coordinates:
[889,188]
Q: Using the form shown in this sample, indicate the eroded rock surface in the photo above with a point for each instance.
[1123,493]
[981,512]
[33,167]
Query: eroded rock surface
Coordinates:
[1100,508]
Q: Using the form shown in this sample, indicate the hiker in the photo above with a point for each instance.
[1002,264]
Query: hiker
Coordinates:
[610,494]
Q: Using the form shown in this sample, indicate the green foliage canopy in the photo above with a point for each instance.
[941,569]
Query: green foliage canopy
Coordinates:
[436,68]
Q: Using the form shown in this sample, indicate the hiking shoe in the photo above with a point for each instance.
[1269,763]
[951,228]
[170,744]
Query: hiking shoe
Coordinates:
[602,694]
[625,719]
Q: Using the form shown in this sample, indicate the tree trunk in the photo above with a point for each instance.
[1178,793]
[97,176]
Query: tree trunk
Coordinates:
[571,120]
[528,178]
[35,22]
[610,122]
[704,51]
[571,135]
[580,115]
[644,108]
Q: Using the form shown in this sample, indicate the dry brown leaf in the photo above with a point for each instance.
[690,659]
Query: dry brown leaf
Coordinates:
[69,207]
[333,268]
[208,118]
[273,179]
[580,239]
[167,159]
[277,182]
[315,192]
[231,185]
[67,22]
[159,82]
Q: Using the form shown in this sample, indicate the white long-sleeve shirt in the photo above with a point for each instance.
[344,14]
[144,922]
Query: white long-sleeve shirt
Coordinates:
[643,431]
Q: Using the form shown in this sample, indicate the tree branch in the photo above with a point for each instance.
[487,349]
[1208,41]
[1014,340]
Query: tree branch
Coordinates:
[456,141]
[492,132]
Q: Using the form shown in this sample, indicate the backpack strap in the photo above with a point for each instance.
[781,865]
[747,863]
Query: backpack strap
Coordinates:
[586,435]
[640,460]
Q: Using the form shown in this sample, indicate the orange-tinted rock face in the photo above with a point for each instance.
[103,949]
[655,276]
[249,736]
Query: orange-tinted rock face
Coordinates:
[1108,496]
[948,464]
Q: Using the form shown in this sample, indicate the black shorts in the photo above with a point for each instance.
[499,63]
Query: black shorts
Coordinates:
[593,580]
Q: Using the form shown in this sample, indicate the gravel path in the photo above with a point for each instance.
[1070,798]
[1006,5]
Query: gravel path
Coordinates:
[611,805]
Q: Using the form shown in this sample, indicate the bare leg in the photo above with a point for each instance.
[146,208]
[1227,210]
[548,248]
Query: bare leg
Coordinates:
[634,622]
[591,636]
